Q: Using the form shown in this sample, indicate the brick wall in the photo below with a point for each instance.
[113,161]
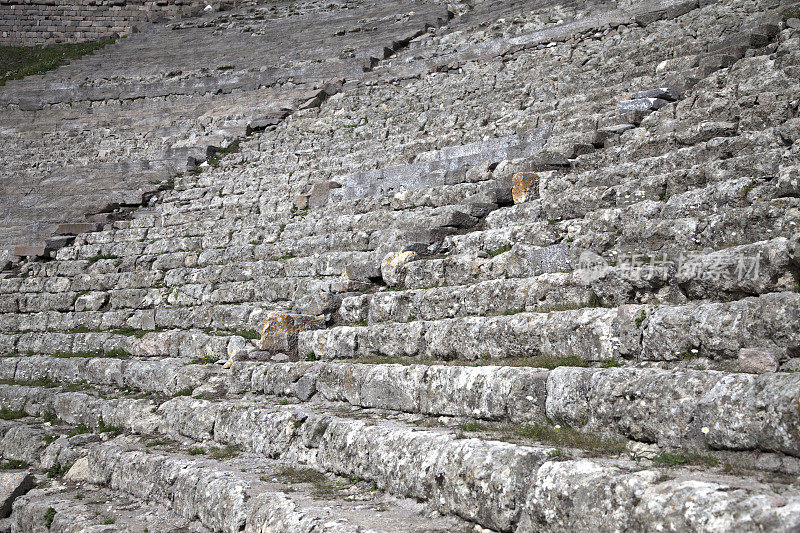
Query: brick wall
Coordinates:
[27,22]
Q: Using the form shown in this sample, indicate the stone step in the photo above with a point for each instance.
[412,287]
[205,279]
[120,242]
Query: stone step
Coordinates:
[749,269]
[677,205]
[752,269]
[328,442]
[622,193]
[603,188]
[235,492]
[366,231]
[85,507]
[133,342]
[643,150]
[613,233]
[666,333]
[590,400]
[431,168]
[468,477]
[559,33]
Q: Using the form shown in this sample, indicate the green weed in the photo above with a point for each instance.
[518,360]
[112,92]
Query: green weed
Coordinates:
[16,62]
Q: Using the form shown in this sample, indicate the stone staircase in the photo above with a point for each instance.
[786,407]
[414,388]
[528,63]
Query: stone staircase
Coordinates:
[534,268]
[110,131]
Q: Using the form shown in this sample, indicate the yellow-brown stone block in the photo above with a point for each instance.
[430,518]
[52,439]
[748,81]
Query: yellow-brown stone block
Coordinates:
[281,330]
[525,187]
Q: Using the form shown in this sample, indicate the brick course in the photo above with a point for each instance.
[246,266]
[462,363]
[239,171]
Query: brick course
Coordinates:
[31,22]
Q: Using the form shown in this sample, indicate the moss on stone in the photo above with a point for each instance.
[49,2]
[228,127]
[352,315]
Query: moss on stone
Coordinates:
[16,62]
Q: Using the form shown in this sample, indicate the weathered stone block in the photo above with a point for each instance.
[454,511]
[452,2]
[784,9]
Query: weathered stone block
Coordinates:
[664,93]
[759,360]
[525,187]
[12,486]
[281,330]
[30,250]
[641,104]
[393,267]
[318,195]
[77,227]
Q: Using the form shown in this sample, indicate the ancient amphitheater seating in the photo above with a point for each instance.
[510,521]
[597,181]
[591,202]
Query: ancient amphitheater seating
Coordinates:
[507,266]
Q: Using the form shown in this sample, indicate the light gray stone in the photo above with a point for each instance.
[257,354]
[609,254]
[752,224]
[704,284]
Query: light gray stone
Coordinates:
[758,360]
[641,104]
[12,486]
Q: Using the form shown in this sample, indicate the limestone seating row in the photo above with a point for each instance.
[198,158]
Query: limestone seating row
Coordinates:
[667,333]
[732,190]
[637,404]
[117,512]
[323,441]
[671,238]
[358,221]
[671,329]
[173,225]
[657,138]
[497,218]
[698,155]
[563,32]
[635,52]
[430,168]
[186,237]
[445,139]
[756,268]
[189,343]
[118,281]
[505,485]
[239,494]
[725,274]
[614,233]
[109,148]
[60,86]
[759,268]
[621,190]
[112,329]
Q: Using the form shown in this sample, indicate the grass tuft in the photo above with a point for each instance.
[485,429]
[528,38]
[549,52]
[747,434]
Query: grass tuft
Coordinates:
[12,414]
[103,428]
[57,470]
[13,464]
[49,516]
[204,360]
[321,484]
[16,62]
[498,251]
[689,458]
[80,429]
[566,436]
[224,452]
